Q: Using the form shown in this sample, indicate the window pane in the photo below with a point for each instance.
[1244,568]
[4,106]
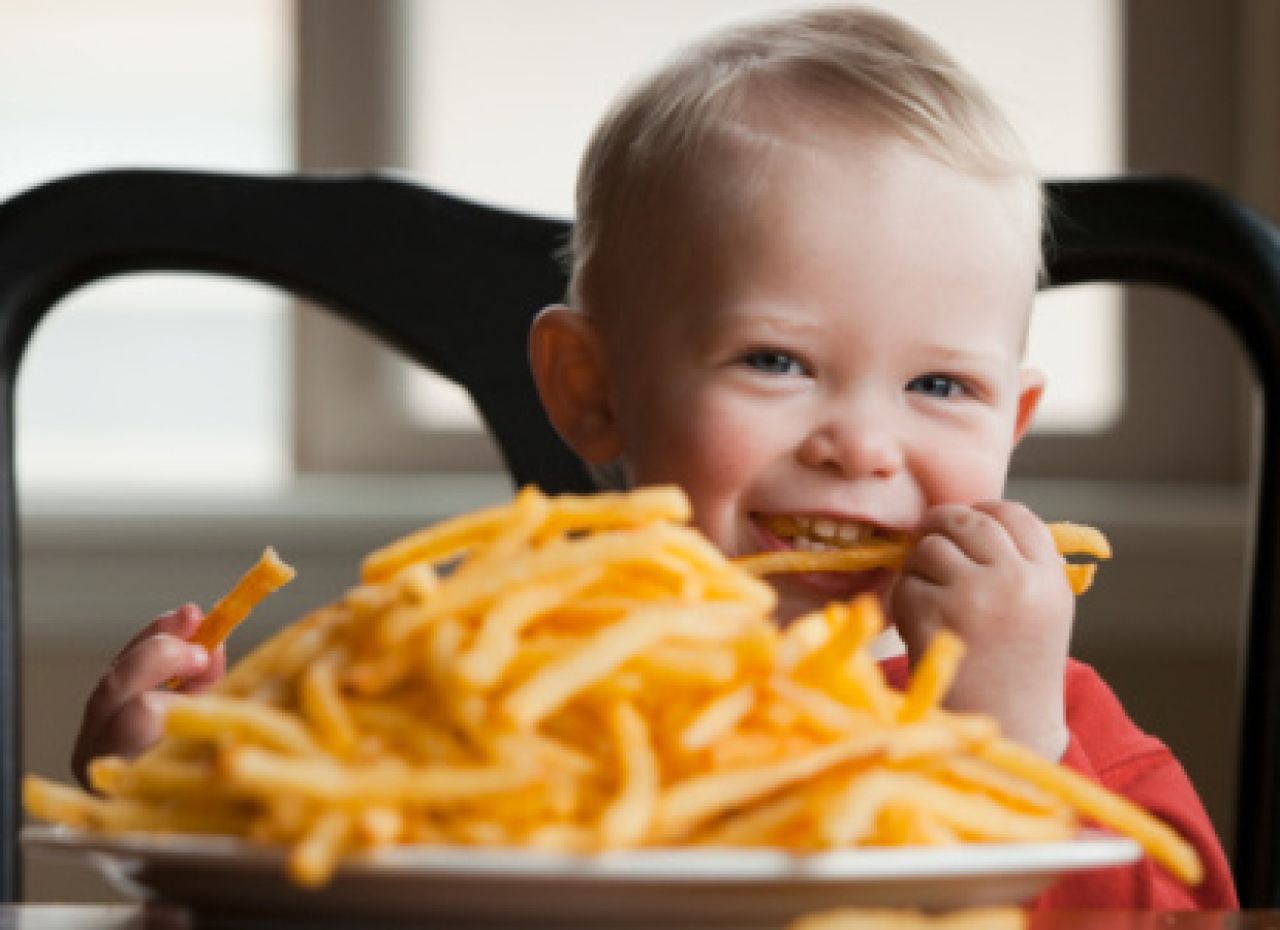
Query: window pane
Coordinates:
[156,381]
[136,83]
[497,77]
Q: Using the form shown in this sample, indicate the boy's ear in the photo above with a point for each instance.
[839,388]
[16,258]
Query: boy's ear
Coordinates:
[568,362]
[1030,390]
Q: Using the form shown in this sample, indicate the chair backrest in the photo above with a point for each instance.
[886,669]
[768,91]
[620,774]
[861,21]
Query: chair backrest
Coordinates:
[455,285]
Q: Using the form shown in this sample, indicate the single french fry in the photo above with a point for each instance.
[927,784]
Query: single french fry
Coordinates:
[719,716]
[551,686]
[257,772]
[1106,808]
[932,676]
[1080,576]
[971,815]
[691,662]
[1069,538]
[754,826]
[805,636]
[321,703]
[116,777]
[437,543]
[268,574]
[75,808]
[316,856]
[862,558]
[819,708]
[211,717]
[613,510]
[980,775]
[1078,539]
[688,804]
[627,819]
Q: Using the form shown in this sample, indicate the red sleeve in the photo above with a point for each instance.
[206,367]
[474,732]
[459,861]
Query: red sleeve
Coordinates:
[1107,747]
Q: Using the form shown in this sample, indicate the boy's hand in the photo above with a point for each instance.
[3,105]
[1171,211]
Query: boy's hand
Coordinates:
[991,574]
[125,713]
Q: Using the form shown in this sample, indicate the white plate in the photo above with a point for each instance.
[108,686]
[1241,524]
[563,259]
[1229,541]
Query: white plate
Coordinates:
[677,888]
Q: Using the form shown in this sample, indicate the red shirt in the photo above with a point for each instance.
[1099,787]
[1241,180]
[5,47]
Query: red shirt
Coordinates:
[1106,746]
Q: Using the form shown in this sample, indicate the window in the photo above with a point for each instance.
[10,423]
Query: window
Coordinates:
[447,89]
[178,380]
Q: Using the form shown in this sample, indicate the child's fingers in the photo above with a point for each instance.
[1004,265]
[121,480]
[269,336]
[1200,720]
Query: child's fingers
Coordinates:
[180,622]
[1026,530]
[977,533]
[212,674]
[917,607]
[116,702]
[134,727]
[935,559]
[150,663]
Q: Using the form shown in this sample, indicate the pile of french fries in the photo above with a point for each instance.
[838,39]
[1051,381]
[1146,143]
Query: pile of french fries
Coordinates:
[582,674]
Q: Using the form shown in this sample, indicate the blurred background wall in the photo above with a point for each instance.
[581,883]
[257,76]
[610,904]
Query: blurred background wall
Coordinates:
[170,427]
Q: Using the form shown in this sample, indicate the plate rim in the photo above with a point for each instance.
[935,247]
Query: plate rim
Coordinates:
[1089,849]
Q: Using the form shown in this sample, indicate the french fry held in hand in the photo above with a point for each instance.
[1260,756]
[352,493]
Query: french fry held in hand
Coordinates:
[589,674]
[1069,538]
[264,577]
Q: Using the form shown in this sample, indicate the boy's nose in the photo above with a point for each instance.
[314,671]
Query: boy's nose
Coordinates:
[853,450]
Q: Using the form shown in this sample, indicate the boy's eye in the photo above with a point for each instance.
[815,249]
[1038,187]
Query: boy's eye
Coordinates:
[934,385]
[773,362]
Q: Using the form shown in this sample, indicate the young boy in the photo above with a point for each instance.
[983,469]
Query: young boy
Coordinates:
[803,264]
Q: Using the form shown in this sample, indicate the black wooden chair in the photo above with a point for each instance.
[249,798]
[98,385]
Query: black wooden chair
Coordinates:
[455,285]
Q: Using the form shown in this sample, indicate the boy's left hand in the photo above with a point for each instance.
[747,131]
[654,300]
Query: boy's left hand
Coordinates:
[991,573]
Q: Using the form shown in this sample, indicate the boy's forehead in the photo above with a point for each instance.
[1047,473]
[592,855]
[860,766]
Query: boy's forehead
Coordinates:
[723,205]
[672,252]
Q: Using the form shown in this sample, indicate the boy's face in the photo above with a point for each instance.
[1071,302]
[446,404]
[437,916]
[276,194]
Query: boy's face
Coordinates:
[841,361]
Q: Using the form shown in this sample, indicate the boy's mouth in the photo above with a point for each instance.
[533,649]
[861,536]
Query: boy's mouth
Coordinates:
[816,533]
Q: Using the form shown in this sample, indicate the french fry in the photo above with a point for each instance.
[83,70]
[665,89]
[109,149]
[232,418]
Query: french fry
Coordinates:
[1069,538]
[1078,539]
[268,574]
[1096,803]
[933,676]
[861,558]
[316,855]
[210,717]
[581,674]
[628,818]
[688,804]
[717,718]
[322,704]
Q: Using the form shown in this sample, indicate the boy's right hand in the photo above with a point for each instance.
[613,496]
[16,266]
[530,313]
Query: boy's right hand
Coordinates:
[125,713]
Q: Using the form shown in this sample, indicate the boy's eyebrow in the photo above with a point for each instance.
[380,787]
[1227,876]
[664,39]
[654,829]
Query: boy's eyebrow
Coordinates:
[777,318]
[955,355]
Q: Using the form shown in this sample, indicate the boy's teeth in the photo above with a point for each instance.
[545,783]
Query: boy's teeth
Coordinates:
[849,533]
[810,533]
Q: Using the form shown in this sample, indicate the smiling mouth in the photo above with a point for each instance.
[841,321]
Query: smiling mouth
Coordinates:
[817,534]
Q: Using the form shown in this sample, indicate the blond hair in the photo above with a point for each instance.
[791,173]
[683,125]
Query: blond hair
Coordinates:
[739,91]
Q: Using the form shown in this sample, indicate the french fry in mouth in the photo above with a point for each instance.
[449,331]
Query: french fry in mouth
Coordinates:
[1069,538]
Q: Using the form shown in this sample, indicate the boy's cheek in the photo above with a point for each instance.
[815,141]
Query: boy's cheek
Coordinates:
[714,455]
[967,473]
